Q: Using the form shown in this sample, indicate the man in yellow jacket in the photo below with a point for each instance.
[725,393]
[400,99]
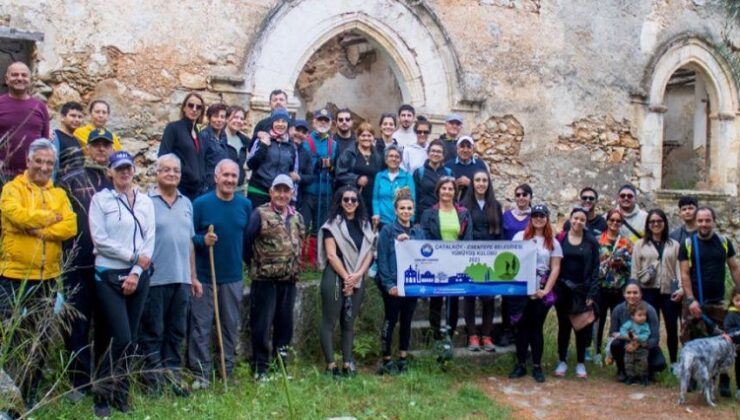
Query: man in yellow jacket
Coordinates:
[36,218]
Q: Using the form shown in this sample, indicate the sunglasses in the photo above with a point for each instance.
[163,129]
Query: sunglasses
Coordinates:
[630,196]
[194,107]
[344,119]
[520,195]
[349,200]
[615,221]
[655,222]
[423,132]
[588,198]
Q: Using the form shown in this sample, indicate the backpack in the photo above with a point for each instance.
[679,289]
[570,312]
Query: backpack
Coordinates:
[312,145]
[688,246]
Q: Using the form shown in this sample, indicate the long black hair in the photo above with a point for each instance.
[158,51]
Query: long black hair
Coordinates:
[648,232]
[336,209]
[491,207]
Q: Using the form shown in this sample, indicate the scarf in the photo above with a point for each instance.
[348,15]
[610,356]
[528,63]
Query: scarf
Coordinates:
[516,212]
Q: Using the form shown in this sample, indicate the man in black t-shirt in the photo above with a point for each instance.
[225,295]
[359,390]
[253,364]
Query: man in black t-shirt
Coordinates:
[705,299]
[68,147]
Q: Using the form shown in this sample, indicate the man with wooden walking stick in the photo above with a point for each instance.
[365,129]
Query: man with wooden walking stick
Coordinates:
[228,213]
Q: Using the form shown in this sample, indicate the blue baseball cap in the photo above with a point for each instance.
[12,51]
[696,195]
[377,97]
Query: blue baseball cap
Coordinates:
[301,124]
[100,134]
[119,159]
[322,113]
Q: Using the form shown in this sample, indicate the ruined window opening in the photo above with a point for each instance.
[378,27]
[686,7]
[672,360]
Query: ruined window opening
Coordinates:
[12,50]
[349,71]
[686,131]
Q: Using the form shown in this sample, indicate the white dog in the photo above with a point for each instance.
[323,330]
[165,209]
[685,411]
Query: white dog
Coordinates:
[703,360]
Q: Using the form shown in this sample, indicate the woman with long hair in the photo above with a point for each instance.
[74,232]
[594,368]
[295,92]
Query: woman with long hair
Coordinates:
[182,138]
[577,290]
[517,218]
[358,165]
[534,310]
[655,265]
[395,306]
[446,221]
[386,126]
[346,244]
[122,228]
[615,262]
[485,214]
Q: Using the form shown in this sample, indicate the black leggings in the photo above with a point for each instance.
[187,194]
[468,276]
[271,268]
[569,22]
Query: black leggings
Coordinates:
[529,332]
[435,315]
[395,307]
[671,312]
[608,300]
[583,337]
[487,315]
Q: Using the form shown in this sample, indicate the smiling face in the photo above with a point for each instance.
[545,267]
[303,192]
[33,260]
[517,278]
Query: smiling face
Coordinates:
[446,192]
[387,126]
[627,200]
[406,118]
[280,196]
[435,154]
[365,140]
[480,184]
[588,200]
[280,126]
[72,120]
[452,129]
[614,223]
[18,78]
[168,173]
[322,124]
[123,177]
[656,224]
[704,222]
[404,211]
[236,121]
[422,133]
[639,317]
[522,199]
[227,177]
[577,221]
[393,160]
[40,166]
[465,151]
[632,294]
[278,100]
[349,203]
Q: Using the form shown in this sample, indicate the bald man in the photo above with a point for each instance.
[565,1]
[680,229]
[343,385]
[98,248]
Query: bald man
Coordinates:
[23,119]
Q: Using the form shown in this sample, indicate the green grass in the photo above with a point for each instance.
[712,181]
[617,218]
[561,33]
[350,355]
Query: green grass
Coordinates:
[424,392]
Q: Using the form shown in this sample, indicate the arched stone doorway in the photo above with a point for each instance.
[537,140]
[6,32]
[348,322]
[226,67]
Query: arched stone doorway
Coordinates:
[417,49]
[697,57]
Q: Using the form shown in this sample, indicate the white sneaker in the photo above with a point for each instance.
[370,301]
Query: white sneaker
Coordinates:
[598,361]
[561,369]
[737,394]
[581,371]
[200,384]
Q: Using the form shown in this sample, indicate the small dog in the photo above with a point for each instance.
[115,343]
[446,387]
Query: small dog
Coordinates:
[703,360]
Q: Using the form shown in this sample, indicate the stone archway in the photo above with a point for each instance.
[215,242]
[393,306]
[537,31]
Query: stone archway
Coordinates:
[693,53]
[419,51]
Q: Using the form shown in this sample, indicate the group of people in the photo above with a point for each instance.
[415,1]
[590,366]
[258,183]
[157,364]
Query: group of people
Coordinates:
[151,270]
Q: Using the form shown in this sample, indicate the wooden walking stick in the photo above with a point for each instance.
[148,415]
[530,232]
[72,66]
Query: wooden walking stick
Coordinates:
[216,311]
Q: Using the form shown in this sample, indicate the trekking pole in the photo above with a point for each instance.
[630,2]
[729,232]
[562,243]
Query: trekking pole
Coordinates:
[216,311]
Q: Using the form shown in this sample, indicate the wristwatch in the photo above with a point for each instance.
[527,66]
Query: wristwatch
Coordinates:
[689,301]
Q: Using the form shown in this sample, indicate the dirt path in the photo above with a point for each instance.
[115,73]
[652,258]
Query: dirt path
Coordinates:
[599,398]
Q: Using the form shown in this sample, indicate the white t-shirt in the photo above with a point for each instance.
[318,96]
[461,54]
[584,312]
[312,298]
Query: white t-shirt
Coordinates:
[543,254]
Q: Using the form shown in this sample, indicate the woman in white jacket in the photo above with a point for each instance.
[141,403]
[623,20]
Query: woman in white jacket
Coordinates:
[122,229]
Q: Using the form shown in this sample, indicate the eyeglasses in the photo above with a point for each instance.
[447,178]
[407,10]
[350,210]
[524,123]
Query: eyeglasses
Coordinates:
[655,222]
[625,196]
[520,195]
[423,132]
[348,119]
[349,200]
[435,152]
[588,198]
[615,221]
[193,106]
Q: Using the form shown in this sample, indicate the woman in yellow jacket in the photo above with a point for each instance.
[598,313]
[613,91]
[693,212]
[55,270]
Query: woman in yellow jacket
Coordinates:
[36,218]
[99,113]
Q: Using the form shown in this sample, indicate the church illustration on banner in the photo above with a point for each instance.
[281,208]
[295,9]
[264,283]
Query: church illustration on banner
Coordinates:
[412,276]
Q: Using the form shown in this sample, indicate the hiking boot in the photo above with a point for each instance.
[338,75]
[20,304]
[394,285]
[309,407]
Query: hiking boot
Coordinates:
[597,360]
[630,380]
[538,374]
[473,343]
[101,409]
[644,381]
[387,367]
[488,344]
[333,372]
[581,371]
[561,370]
[402,365]
[349,370]
[518,372]
[621,377]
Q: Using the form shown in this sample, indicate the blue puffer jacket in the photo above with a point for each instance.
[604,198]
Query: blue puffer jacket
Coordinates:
[386,277]
[324,176]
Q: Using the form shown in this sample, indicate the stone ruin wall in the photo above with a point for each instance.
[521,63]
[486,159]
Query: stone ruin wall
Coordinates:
[554,116]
